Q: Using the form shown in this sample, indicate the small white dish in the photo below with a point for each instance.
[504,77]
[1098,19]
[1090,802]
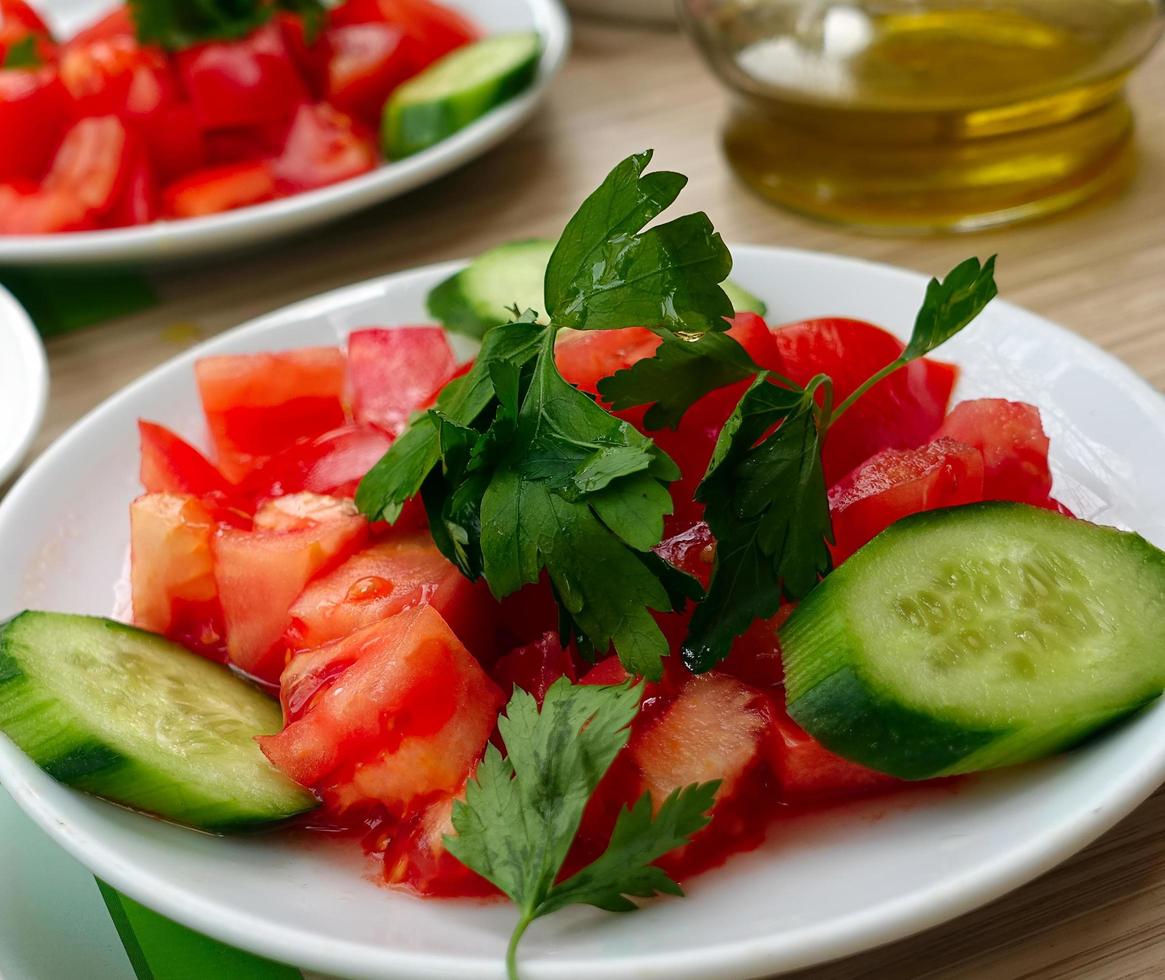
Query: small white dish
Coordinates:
[821,887]
[24,384]
[168,241]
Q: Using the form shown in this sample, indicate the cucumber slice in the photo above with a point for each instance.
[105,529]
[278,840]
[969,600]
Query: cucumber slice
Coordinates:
[482,294]
[977,637]
[743,301]
[132,717]
[456,90]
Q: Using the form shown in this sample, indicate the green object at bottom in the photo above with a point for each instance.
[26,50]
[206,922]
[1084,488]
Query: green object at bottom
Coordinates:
[61,301]
[160,949]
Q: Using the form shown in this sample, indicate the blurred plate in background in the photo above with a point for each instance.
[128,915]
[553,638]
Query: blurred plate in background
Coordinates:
[165,241]
[24,384]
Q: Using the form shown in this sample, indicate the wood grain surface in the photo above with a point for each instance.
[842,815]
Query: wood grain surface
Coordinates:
[1099,271]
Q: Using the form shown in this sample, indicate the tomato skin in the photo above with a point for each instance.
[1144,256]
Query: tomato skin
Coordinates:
[242,83]
[585,357]
[806,771]
[34,112]
[169,464]
[401,572]
[323,146]
[138,203]
[416,858]
[258,405]
[333,463]
[1011,437]
[366,62]
[392,373]
[259,574]
[391,713]
[901,412]
[898,482]
[117,23]
[434,30]
[310,57]
[535,666]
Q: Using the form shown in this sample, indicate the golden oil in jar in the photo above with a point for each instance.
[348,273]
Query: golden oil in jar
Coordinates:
[922,115]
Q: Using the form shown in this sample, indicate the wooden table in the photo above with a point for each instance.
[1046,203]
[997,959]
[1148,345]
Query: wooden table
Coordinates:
[1099,271]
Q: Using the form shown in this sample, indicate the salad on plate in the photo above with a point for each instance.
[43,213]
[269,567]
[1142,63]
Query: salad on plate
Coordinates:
[582,617]
[167,110]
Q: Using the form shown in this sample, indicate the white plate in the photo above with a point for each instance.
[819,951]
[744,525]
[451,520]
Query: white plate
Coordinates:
[820,888]
[24,384]
[165,241]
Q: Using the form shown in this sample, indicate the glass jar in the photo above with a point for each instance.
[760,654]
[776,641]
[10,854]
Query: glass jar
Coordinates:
[925,115]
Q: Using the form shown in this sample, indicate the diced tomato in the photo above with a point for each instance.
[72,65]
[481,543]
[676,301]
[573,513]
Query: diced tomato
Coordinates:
[535,666]
[258,405]
[898,482]
[807,771]
[714,729]
[171,571]
[171,465]
[1014,445]
[300,511]
[367,62]
[753,334]
[138,203]
[219,189]
[333,463]
[310,57]
[242,83]
[392,373]
[390,713]
[175,142]
[34,112]
[260,573]
[417,859]
[17,21]
[901,412]
[397,573]
[608,671]
[435,30]
[28,210]
[692,550]
[93,163]
[324,146]
[116,76]
[117,23]
[585,357]
[527,614]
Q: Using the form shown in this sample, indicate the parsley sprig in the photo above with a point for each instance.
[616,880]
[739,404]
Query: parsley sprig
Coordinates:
[523,810]
[178,24]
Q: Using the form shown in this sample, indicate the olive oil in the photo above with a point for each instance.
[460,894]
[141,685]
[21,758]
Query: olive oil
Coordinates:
[928,114]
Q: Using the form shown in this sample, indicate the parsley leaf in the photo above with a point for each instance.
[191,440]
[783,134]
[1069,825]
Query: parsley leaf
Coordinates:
[950,304]
[23,54]
[606,273]
[178,24]
[767,507]
[582,495]
[522,811]
[684,368]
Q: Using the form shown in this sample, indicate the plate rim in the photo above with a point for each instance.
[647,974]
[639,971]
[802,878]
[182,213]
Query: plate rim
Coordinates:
[886,922]
[31,357]
[175,241]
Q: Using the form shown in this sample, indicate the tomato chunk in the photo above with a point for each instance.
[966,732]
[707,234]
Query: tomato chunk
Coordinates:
[390,713]
[333,464]
[392,373]
[900,412]
[1014,445]
[397,573]
[260,573]
[34,111]
[171,465]
[535,666]
[258,405]
[366,63]
[585,357]
[244,82]
[18,21]
[433,29]
[93,163]
[898,482]
[714,729]
[171,571]
[417,859]
[218,189]
[808,771]
[322,147]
